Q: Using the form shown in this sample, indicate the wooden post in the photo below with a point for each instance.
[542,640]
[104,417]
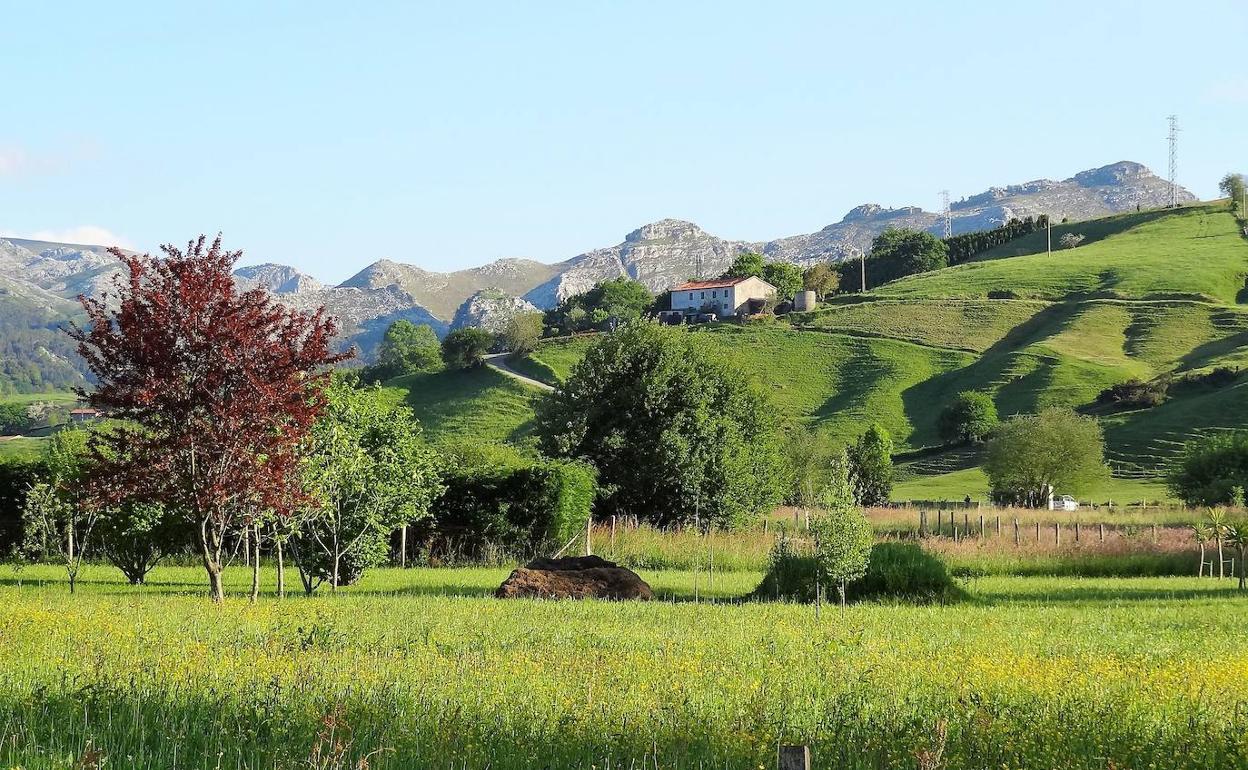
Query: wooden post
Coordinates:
[922,524]
[1154,533]
[1057,533]
[998,525]
[1037,532]
[1076,531]
[1017,539]
[613,532]
[1101,527]
[589,528]
[981,526]
[794,758]
[966,523]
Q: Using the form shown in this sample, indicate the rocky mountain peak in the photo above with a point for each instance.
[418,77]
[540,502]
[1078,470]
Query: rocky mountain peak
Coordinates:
[665,230]
[1115,173]
[278,279]
[491,309]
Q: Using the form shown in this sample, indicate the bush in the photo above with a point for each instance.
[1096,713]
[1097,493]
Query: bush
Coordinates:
[897,571]
[136,536]
[466,348]
[519,510]
[316,565]
[1002,294]
[969,419]
[16,477]
[843,540]
[1135,394]
[1210,469]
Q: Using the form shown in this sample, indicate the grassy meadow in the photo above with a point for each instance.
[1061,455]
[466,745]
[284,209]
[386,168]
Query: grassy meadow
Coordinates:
[420,668]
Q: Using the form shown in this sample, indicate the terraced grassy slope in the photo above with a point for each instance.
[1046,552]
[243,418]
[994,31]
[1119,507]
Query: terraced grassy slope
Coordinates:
[1150,294]
[1194,253]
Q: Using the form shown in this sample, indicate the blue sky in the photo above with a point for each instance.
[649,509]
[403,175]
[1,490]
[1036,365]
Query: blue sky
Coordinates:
[329,135]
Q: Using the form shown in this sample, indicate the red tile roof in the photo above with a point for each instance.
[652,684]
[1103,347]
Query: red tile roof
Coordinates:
[722,283]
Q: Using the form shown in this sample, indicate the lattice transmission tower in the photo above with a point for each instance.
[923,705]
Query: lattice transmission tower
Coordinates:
[1174,160]
[947,211]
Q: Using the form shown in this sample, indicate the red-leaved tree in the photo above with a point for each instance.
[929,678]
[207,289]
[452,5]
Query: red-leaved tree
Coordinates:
[215,390]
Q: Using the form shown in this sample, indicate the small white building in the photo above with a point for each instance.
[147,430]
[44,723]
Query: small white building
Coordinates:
[723,297]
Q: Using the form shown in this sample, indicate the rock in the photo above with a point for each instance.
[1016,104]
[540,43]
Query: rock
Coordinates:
[574,577]
[490,309]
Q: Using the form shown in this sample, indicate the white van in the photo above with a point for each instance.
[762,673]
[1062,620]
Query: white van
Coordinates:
[1063,503]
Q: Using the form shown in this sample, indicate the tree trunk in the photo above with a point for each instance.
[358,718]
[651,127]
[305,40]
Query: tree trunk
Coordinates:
[1221,565]
[1200,570]
[840,589]
[73,580]
[211,540]
[1242,550]
[333,586]
[281,571]
[255,566]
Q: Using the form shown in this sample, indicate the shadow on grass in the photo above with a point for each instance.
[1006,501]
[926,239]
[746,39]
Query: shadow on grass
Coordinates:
[1102,595]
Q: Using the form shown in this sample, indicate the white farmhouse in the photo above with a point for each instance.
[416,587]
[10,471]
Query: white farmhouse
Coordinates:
[724,297]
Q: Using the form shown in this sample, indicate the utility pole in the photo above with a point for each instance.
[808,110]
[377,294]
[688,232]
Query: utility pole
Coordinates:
[1049,231]
[862,263]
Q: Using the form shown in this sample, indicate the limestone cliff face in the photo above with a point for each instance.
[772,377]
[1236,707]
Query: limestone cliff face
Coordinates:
[490,309]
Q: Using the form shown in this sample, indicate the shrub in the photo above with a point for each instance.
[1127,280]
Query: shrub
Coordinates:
[1071,240]
[521,510]
[16,477]
[1135,394]
[136,536]
[969,419]
[466,348]
[897,571]
[1002,294]
[1210,469]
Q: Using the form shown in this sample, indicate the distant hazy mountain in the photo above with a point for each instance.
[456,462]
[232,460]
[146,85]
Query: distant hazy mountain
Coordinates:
[39,280]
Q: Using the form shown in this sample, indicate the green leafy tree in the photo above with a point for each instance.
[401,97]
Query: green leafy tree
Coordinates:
[843,540]
[822,279]
[406,348]
[1032,456]
[466,348]
[14,418]
[745,265]
[522,333]
[1210,469]
[370,473]
[785,277]
[56,520]
[871,463]
[135,536]
[969,419]
[1232,186]
[896,253]
[676,435]
[621,298]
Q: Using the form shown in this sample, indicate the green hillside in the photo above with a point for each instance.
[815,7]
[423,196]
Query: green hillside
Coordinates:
[1148,295]
[1194,253]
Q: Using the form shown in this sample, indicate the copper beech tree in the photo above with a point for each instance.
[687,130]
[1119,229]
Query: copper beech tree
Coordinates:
[214,389]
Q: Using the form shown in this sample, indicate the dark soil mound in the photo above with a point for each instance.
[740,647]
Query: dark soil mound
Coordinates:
[574,577]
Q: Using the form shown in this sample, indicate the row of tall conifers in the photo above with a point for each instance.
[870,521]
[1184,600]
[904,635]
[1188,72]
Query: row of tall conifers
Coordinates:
[967,246]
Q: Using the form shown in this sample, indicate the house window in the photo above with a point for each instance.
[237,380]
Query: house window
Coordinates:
[703,296]
[712,294]
[690,295]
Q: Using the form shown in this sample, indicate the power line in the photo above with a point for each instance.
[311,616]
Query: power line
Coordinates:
[1174,160]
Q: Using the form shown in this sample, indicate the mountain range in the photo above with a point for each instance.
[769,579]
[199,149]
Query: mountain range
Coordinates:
[39,280]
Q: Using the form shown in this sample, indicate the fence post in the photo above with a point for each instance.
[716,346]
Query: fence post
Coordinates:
[1154,533]
[966,523]
[613,533]
[589,528]
[1037,532]
[998,525]
[1057,533]
[1017,539]
[922,524]
[1076,531]
[1101,527]
[981,526]
[794,758]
